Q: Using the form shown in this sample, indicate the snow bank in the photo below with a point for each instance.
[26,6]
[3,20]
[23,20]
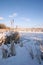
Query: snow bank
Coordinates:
[22,53]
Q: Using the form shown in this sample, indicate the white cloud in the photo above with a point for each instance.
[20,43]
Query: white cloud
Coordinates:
[1,18]
[13,15]
[25,19]
[10,16]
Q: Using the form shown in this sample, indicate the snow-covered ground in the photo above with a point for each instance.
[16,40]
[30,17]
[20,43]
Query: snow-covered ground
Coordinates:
[23,56]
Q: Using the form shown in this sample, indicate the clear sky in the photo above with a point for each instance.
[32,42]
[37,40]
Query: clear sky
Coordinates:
[26,13]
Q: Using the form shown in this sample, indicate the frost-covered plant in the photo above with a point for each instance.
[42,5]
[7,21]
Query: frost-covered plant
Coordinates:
[21,44]
[4,51]
[12,48]
[31,53]
[13,36]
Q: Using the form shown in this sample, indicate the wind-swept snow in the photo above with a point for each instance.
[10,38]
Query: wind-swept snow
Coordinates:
[23,56]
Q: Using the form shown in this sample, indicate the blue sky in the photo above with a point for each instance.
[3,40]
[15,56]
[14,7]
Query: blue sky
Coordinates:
[26,13]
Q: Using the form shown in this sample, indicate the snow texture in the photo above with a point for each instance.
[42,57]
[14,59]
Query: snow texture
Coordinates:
[24,54]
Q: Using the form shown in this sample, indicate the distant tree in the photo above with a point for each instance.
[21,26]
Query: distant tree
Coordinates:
[2,26]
